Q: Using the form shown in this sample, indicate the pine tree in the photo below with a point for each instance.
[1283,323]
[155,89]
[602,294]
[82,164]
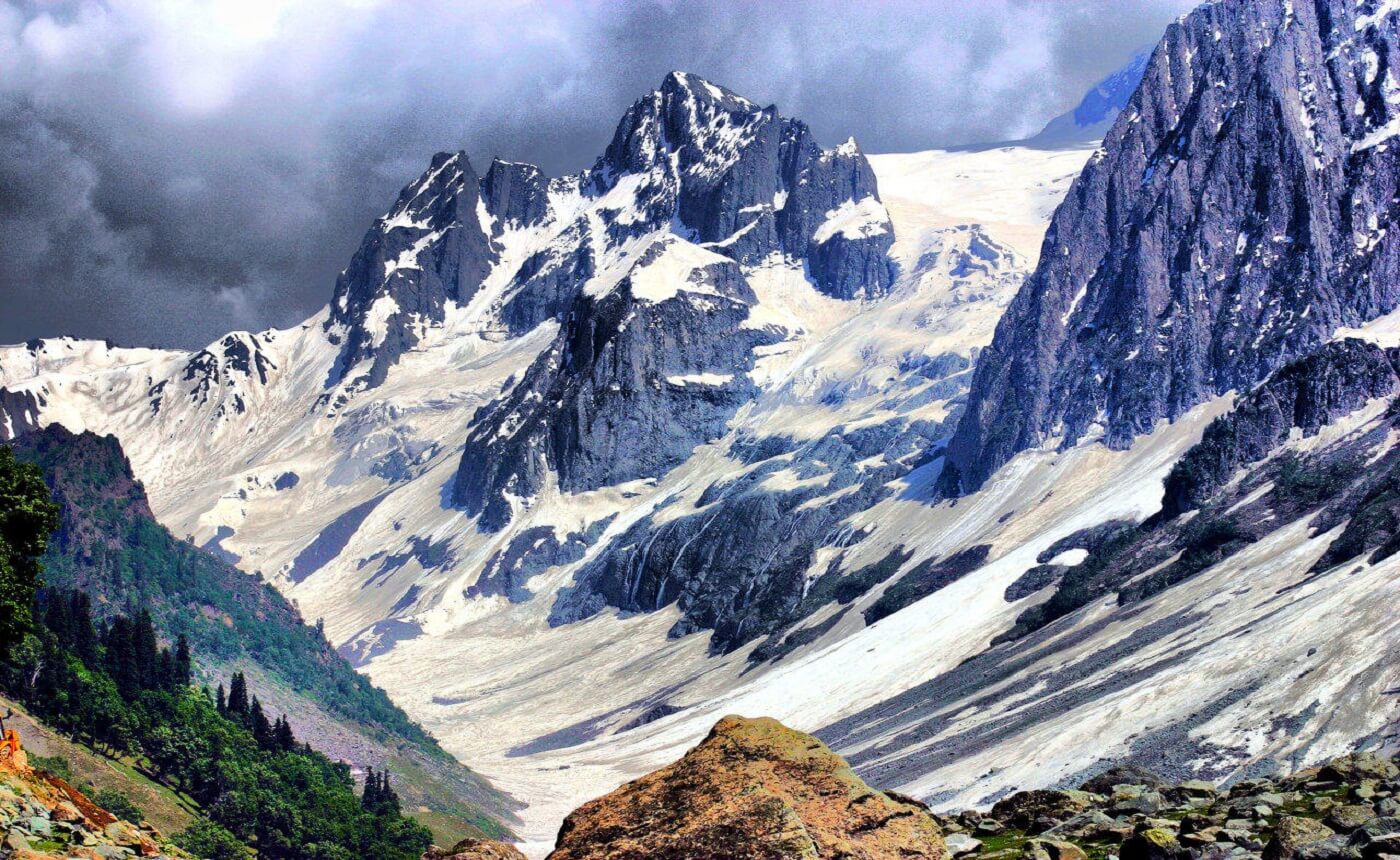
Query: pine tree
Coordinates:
[261,728]
[238,697]
[84,631]
[285,740]
[183,663]
[27,517]
[147,649]
[370,799]
[221,701]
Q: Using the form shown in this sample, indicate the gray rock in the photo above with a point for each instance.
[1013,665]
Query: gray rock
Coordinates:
[612,398]
[440,211]
[1348,817]
[962,845]
[1189,259]
[1292,833]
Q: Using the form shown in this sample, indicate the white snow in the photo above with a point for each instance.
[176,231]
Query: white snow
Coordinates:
[854,220]
[701,379]
[673,270]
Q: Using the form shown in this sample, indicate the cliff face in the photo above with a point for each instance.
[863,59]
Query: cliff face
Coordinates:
[752,789]
[1237,214]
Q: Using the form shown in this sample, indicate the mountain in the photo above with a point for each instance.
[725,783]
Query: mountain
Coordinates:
[574,467]
[721,329]
[1092,118]
[1234,219]
[109,546]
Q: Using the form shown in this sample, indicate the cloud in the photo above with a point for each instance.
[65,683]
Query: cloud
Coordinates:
[171,170]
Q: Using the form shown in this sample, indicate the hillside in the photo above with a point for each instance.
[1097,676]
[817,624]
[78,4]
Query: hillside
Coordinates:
[109,546]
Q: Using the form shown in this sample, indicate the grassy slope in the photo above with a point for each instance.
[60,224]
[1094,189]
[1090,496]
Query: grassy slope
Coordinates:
[110,545]
[92,770]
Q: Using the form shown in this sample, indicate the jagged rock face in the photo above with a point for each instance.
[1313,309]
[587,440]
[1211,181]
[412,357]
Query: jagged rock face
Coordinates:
[224,372]
[1308,394]
[19,413]
[1237,214]
[634,380]
[516,195]
[755,183]
[431,248]
[689,158]
[752,789]
[738,564]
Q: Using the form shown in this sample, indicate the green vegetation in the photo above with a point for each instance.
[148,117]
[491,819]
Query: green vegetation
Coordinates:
[56,765]
[109,544]
[117,803]
[27,518]
[119,691]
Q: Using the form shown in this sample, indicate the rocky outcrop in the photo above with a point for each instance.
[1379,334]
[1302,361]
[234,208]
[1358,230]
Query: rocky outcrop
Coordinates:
[738,564]
[749,183]
[752,789]
[516,195]
[475,849]
[19,413]
[635,379]
[1307,394]
[1237,214]
[42,816]
[430,249]
[690,159]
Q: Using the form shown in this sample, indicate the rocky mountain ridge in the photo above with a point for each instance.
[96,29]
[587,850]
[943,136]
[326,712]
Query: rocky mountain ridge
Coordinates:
[1237,215]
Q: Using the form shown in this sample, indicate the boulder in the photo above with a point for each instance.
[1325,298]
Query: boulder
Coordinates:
[1093,825]
[752,788]
[1357,767]
[1377,837]
[1333,848]
[1125,774]
[1152,843]
[962,845]
[1291,833]
[1128,799]
[475,849]
[65,811]
[1052,849]
[1190,792]
[1024,808]
[1347,817]
[123,833]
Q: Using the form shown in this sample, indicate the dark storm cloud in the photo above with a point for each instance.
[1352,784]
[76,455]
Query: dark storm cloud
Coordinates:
[169,171]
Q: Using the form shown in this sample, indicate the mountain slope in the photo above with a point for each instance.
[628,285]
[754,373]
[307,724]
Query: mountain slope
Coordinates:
[109,546]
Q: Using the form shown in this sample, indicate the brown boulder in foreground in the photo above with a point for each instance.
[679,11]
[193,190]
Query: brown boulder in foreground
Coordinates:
[475,849]
[753,790]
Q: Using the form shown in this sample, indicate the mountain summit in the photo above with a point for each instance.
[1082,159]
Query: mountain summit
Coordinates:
[689,159]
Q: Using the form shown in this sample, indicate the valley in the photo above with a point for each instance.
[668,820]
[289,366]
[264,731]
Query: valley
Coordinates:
[989,467]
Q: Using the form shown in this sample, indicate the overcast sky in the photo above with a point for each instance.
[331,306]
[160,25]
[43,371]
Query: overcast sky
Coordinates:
[173,170]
